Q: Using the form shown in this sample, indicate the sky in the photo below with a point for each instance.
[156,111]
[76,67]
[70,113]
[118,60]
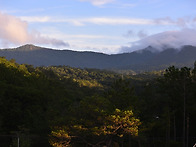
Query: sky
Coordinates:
[106,26]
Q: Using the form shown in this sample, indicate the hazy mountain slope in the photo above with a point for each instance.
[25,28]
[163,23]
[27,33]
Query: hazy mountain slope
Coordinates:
[38,56]
[141,60]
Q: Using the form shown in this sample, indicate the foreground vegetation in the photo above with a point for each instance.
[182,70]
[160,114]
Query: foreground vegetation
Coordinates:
[62,106]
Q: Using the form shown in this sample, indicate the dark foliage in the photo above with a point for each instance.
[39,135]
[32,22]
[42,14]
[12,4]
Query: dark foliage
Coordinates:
[86,102]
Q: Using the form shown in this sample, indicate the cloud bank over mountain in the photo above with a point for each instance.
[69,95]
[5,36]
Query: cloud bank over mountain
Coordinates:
[168,39]
[15,31]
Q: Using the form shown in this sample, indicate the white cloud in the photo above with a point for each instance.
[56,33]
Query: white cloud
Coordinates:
[98,2]
[14,30]
[173,39]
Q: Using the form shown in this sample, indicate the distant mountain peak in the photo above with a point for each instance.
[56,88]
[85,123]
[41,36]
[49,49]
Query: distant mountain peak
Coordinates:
[28,47]
[147,49]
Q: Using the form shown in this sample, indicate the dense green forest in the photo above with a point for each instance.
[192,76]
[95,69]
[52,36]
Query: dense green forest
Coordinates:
[62,106]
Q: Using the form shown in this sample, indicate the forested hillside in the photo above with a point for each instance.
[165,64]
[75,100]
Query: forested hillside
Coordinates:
[65,106]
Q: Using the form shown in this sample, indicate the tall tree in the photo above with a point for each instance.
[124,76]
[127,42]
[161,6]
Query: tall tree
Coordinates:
[176,84]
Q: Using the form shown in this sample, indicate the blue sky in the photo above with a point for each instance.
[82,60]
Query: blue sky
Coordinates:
[108,26]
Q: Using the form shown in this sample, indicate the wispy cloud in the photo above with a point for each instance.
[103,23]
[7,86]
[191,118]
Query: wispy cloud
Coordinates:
[160,41]
[115,3]
[118,21]
[88,42]
[181,22]
[107,49]
[98,2]
[93,20]
[126,5]
[15,31]
[141,34]
[35,19]
[12,11]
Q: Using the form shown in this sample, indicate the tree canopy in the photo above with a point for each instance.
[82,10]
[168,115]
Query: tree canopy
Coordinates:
[63,106]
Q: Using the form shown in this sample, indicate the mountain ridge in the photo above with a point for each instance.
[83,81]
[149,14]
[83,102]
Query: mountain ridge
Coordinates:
[142,60]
